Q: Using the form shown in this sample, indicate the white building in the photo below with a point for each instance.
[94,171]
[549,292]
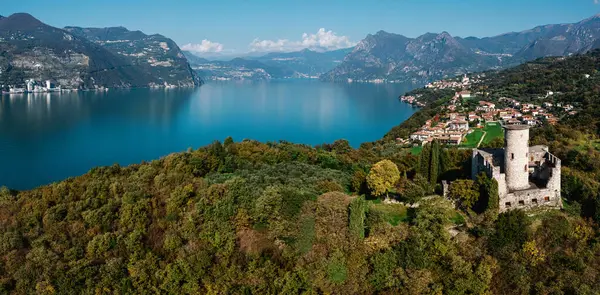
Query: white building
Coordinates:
[30,85]
[465,94]
[458,125]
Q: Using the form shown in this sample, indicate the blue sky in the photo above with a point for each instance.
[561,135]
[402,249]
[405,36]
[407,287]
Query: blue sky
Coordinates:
[239,26]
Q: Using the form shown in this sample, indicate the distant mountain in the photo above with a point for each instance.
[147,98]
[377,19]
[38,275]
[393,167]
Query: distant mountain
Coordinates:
[389,56]
[299,64]
[194,59]
[510,43]
[237,69]
[563,40]
[227,56]
[306,63]
[155,54]
[396,57]
[30,49]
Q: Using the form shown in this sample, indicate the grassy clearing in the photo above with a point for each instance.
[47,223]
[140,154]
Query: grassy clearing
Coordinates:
[472,139]
[392,213]
[493,131]
[458,219]
[416,150]
[587,144]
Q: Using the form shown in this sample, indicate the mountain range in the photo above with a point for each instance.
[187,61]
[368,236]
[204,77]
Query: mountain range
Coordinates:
[394,57]
[76,57]
[276,65]
[88,57]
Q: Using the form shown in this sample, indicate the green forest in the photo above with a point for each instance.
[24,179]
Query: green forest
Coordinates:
[282,218]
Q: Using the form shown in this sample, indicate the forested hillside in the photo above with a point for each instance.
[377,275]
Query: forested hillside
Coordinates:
[282,218]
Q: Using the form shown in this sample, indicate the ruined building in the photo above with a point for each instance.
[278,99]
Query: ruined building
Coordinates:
[527,176]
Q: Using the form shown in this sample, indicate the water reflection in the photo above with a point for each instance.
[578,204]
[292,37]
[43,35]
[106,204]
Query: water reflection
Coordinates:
[51,136]
[44,113]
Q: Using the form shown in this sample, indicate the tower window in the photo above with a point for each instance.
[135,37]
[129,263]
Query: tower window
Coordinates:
[512,156]
[507,204]
[534,201]
[521,203]
[525,167]
[546,199]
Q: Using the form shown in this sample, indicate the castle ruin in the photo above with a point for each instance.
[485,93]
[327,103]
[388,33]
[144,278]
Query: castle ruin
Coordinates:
[528,177]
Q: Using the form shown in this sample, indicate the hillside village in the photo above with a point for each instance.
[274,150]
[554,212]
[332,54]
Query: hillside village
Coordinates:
[468,111]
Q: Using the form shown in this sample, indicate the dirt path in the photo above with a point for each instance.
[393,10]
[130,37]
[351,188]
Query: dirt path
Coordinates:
[482,137]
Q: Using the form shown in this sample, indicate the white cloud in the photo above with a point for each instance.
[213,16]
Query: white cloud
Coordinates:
[321,41]
[205,46]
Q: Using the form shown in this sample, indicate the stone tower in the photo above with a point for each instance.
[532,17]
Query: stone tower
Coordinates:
[516,153]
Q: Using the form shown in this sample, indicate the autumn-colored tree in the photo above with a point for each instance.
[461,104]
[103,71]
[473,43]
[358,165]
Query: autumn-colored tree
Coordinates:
[382,177]
[465,192]
[532,253]
[358,182]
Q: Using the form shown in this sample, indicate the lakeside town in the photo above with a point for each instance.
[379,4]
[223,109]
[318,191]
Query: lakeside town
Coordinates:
[466,119]
[47,86]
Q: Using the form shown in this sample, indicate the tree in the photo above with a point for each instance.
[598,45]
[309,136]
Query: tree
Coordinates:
[434,163]
[497,142]
[382,177]
[511,231]
[424,159]
[464,191]
[416,189]
[341,146]
[488,193]
[228,141]
[429,162]
[357,216]
[358,181]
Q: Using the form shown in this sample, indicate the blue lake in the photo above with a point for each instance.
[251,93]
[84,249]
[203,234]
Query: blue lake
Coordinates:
[49,137]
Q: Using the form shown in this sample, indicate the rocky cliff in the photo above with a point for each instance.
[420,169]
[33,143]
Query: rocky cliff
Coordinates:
[154,54]
[31,49]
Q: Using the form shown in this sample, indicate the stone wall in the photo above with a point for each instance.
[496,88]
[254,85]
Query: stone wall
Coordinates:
[529,199]
[502,189]
[554,180]
[482,161]
[537,153]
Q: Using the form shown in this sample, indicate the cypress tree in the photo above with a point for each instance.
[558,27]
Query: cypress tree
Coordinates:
[424,161]
[434,162]
[488,193]
[357,216]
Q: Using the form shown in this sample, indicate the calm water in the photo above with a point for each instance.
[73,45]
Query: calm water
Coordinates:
[49,137]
